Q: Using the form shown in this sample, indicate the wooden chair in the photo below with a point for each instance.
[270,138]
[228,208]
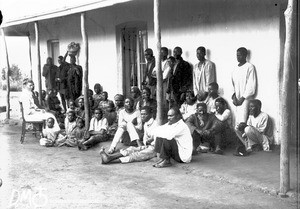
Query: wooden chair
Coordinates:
[36,123]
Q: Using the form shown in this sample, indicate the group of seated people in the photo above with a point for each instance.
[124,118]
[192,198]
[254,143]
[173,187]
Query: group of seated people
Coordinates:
[132,121]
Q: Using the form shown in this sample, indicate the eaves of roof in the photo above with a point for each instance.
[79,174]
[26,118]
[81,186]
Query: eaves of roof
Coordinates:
[62,12]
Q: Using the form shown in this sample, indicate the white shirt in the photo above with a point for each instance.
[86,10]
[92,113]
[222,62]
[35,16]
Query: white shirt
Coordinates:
[187,110]
[165,68]
[203,75]
[225,116]
[149,126]
[261,123]
[50,133]
[129,117]
[27,102]
[97,125]
[244,81]
[181,133]
[210,103]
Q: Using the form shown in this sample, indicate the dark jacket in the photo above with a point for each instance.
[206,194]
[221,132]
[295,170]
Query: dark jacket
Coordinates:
[49,72]
[182,77]
[62,74]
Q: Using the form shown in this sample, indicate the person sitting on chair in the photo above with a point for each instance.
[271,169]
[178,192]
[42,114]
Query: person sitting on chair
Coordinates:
[189,106]
[31,111]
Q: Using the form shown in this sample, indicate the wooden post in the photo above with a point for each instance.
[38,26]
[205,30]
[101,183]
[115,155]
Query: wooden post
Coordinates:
[7,77]
[85,53]
[38,59]
[30,56]
[286,95]
[159,86]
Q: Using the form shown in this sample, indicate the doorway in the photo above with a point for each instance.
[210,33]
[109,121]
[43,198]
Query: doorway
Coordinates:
[133,42]
[53,50]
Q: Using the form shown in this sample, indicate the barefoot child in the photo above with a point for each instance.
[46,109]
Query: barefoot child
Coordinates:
[97,132]
[77,134]
[111,116]
[50,134]
[70,125]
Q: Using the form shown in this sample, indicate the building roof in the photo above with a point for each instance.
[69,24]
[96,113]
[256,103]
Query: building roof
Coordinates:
[42,12]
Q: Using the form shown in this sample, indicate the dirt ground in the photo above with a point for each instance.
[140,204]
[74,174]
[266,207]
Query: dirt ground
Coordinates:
[38,177]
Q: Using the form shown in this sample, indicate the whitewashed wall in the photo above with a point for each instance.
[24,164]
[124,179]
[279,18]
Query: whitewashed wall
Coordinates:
[220,26]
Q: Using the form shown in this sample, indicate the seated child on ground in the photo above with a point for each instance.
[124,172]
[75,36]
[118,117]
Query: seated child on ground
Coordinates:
[80,109]
[76,135]
[50,134]
[53,104]
[97,97]
[97,132]
[70,125]
[189,106]
[111,116]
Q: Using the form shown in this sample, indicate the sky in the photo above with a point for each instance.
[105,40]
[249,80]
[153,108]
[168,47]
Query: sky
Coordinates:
[14,46]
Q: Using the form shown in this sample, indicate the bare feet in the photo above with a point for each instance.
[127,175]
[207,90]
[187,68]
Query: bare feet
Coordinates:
[159,161]
[104,156]
[81,146]
[163,164]
[111,150]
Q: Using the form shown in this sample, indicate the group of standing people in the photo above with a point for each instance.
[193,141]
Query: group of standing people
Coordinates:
[65,78]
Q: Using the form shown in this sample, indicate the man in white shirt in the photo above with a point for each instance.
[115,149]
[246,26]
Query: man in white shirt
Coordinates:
[136,154]
[244,84]
[204,73]
[97,132]
[257,132]
[130,121]
[173,140]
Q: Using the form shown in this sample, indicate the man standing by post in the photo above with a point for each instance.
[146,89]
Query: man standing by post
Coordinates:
[149,77]
[204,73]
[49,72]
[182,78]
[61,79]
[165,68]
[244,85]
